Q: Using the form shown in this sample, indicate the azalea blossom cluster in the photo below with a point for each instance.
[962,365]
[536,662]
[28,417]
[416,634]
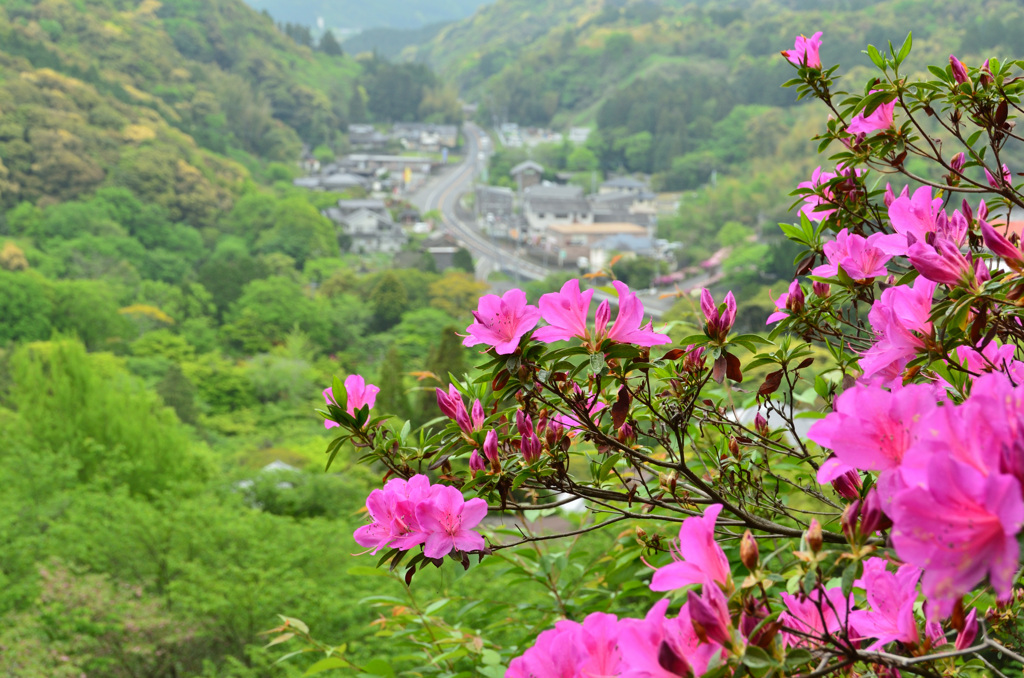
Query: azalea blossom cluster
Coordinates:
[904,556]
[502,321]
[410,513]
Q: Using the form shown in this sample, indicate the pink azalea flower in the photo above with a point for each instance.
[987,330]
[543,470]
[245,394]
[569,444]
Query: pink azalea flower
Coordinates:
[918,216]
[718,322]
[502,321]
[358,393]
[791,301]
[1000,244]
[805,51]
[871,428]
[860,258]
[697,559]
[661,647]
[393,512]
[1006,179]
[565,312]
[554,655]
[899,318]
[818,207]
[529,443]
[448,521]
[891,597]
[942,262]
[626,329]
[812,617]
[959,529]
[879,119]
[711,611]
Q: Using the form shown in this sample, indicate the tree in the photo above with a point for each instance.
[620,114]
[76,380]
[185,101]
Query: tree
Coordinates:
[389,301]
[26,307]
[463,260]
[456,293]
[179,394]
[228,270]
[392,398]
[329,44]
[447,358]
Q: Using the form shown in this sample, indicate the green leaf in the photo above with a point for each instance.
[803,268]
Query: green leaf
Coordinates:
[905,49]
[326,665]
[849,575]
[295,623]
[379,667]
[798,657]
[876,57]
[756,658]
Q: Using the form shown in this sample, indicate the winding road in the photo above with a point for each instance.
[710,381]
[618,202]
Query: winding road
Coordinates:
[443,194]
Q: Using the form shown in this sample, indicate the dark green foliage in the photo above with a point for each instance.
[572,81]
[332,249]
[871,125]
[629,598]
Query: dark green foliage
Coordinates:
[463,260]
[393,398]
[179,394]
[25,307]
[447,359]
[389,301]
[329,45]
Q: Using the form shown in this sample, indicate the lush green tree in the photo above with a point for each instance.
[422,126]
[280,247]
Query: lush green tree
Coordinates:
[179,394]
[389,301]
[393,398]
[446,359]
[88,309]
[463,260]
[26,306]
[329,44]
[229,269]
[299,231]
[87,411]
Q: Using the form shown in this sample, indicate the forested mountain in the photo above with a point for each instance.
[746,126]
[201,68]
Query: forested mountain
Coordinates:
[362,15]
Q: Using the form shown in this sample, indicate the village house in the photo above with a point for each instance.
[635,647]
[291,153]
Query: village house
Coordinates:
[495,210]
[426,136]
[578,240]
[624,185]
[625,206]
[527,173]
[367,138]
[547,205]
[367,226]
[626,245]
[365,163]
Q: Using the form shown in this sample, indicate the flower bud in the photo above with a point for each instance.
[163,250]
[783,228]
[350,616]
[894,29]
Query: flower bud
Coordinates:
[968,212]
[849,520]
[848,485]
[673,662]
[749,552]
[477,415]
[821,290]
[476,462]
[814,537]
[986,75]
[627,434]
[734,448]
[959,70]
[890,197]
[695,359]
[982,210]
[491,449]
[958,161]
[872,518]
[967,636]
[796,300]
[761,425]
[709,614]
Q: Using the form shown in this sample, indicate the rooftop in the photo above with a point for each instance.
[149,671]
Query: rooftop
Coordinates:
[624,182]
[527,165]
[598,229]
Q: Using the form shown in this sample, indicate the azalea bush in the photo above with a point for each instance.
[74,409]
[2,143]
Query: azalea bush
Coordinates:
[840,495]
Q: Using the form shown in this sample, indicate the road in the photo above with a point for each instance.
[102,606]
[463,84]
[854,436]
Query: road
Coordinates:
[443,194]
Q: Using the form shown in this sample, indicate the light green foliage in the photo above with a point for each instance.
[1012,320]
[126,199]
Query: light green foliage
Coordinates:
[88,412]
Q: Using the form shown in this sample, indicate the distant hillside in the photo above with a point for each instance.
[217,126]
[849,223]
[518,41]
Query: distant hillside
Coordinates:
[390,42]
[177,100]
[362,15]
